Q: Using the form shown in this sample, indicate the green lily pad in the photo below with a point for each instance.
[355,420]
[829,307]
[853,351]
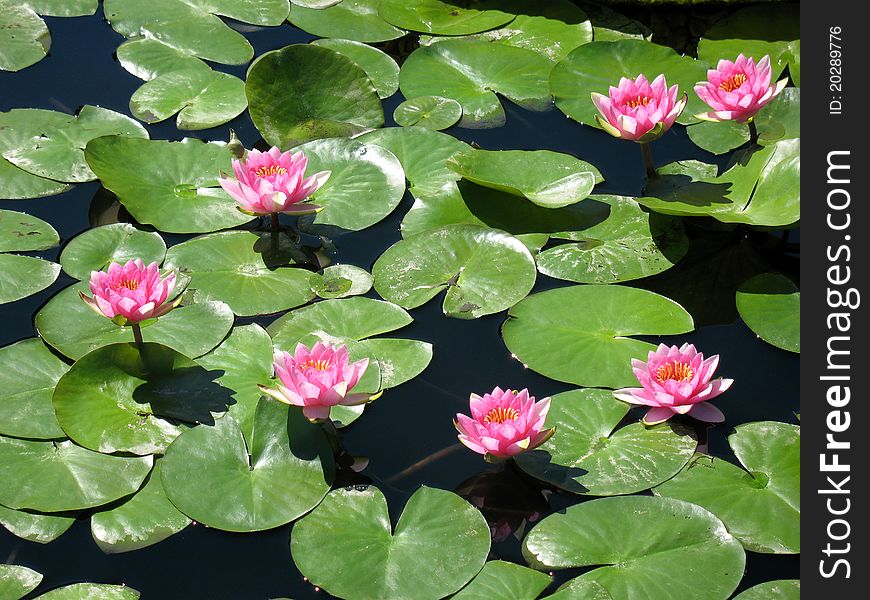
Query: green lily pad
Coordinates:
[315,3]
[74,329]
[51,144]
[588,455]
[590,325]
[772,29]
[148,58]
[597,66]
[171,185]
[23,276]
[609,25]
[28,375]
[761,504]
[63,8]
[347,546]
[548,179]
[34,527]
[367,183]
[97,248]
[91,591]
[431,112]
[24,37]
[349,19]
[202,98]
[62,476]
[232,266]
[471,72]
[665,546]
[770,305]
[17,581]
[629,244]
[143,520]
[193,27]
[219,478]
[18,184]
[443,18]
[290,107]
[381,69]
[20,232]
[399,360]
[500,579]
[483,270]
[119,399]
[342,281]
[783,589]
[762,188]
[581,589]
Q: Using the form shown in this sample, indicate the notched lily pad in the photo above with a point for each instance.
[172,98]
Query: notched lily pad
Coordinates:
[28,375]
[382,70]
[770,304]
[20,232]
[24,37]
[350,19]
[17,581]
[444,18]
[97,248]
[431,112]
[23,276]
[342,281]
[33,526]
[501,579]
[782,589]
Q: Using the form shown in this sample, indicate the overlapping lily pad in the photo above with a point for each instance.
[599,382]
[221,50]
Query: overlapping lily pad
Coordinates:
[62,476]
[431,112]
[18,184]
[28,375]
[51,144]
[761,188]
[236,267]
[761,504]
[483,270]
[783,589]
[546,178]
[33,526]
[20,232]
[24,37]
[17,581]
[23,276]
[381,69]
[216,476]
[91,591]
[120,399]
[590,325]
[500,579]
[351,19]
[97,248]
[597,66]
[74,329]
[342,281]
[171,185]
[346,545]
[588,455]
[290,107]
[471,72]
[444,18]
[770,305]
[629,244]
[665,548]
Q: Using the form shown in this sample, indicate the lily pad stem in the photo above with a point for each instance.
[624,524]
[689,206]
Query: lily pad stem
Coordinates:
[137,336]
[275,232]
[648,161]
[753,132]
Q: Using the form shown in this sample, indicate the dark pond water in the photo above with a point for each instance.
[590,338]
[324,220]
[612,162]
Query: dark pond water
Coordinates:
[408,434]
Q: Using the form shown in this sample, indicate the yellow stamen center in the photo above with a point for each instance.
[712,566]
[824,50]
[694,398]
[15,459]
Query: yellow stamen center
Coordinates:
[674,371]
[130,284]
[501,414]
[729,85]
[270,170]
[639,101]
[319,365]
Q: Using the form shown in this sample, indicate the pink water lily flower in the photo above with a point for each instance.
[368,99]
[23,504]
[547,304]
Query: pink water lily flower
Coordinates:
[317,379]
[273,182]
[676,381]
[504,423]
[638,110]
[133,291]
[737,90]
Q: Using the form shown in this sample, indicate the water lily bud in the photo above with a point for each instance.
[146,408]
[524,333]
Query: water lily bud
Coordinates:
[235,146]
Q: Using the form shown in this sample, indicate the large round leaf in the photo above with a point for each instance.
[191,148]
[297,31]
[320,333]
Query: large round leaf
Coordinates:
[597,66]
[351,19]
[759,505]
[34,527]
[91,591]
[579,334]
[231,266]
[770,304]
[471,71]
[24,37]
[143,520]
[366,184]
[23,276]
[630,244]
[548,179]
[118,399]
[60,476]
[149,58]
[51,144]
[342,281]
[97,248]
[588,455]
[18,184]
[20,232]
[483,270]
[346,545]
[653,548]
[289,105]
[783,589]
[171,185]
[28,374]
[381,69]
[74,329]
[500,579]
[443,18]
[219,478]
[431,112]
[17,581]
